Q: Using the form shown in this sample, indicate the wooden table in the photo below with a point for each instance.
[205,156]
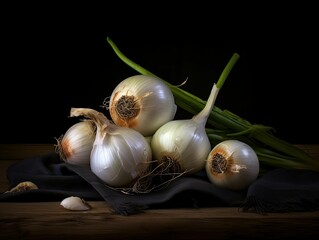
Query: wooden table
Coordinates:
[48,220]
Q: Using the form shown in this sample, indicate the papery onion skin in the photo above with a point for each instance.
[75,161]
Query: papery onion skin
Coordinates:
[233,165]
[183,141]
[151,103]
[75,145]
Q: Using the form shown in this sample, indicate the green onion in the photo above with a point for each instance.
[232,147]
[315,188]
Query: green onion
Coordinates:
[271,150]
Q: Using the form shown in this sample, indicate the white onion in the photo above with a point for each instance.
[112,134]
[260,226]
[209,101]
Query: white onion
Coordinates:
[76,144]
[119,155]
[184,144]
[143,103]
[232,164]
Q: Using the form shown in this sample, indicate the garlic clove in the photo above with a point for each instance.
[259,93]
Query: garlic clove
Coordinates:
[75,204]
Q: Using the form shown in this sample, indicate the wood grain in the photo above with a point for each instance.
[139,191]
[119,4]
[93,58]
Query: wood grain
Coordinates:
[49,219]
[22,151]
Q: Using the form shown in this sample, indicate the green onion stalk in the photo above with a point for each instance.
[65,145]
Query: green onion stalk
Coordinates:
[271,150]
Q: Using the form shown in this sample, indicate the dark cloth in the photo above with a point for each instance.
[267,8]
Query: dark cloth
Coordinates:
[278,190]
[54,179]
[284,190]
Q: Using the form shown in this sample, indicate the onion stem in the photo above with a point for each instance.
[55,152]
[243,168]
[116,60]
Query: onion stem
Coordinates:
[225,120]
[203,115]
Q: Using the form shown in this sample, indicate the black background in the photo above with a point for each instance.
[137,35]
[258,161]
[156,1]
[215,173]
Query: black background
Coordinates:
[57,57]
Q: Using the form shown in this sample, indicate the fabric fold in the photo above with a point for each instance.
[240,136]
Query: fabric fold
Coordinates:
[284,190]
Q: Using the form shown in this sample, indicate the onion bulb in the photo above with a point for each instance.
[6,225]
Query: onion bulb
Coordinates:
[232,164]
[119,155]
[76,144]
[183,145]
[143,103]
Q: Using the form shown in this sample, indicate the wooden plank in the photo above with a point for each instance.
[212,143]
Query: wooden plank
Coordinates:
[49,220]
[22,151]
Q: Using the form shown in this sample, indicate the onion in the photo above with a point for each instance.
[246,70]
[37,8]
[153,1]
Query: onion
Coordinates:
[232,164]
[183,145]
[76,144]
[119,155]
[143,103]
